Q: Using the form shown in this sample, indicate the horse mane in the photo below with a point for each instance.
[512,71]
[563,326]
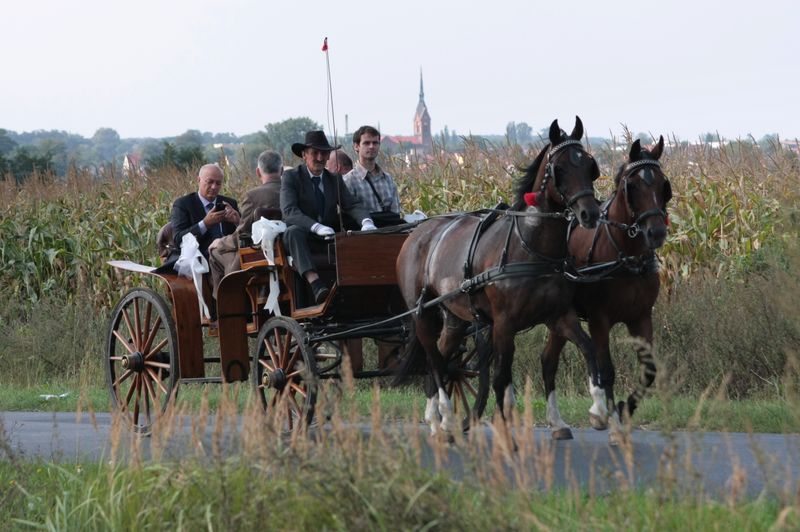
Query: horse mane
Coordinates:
[526,183]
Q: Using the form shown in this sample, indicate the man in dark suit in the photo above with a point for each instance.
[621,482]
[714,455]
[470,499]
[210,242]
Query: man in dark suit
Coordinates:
[206,214]
[223,253]
[309,198]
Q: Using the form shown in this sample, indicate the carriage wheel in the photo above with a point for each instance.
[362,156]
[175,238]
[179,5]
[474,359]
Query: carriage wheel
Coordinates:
[467,383]
[141,358]
[285,373]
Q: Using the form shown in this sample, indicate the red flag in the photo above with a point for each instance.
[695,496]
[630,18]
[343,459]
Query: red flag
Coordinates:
[325,45]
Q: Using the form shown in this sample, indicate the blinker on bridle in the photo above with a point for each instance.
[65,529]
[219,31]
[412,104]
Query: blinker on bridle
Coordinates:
[549,172]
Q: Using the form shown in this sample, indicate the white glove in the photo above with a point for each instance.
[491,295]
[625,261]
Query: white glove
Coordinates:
[367,225]
[322,230]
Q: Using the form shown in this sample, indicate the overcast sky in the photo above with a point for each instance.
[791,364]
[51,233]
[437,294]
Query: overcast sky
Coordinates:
[159,67]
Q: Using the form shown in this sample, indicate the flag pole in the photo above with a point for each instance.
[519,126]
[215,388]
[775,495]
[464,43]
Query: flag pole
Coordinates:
[330,88]
[335,139]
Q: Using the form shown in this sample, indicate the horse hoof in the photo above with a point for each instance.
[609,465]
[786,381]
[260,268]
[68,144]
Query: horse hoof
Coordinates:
[597,422]
[562,434]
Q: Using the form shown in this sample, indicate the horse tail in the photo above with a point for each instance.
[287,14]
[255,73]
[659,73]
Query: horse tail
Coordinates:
[647,363]
[413,361]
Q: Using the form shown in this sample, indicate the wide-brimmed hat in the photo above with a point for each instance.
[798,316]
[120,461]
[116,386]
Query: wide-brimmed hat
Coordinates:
[314,139]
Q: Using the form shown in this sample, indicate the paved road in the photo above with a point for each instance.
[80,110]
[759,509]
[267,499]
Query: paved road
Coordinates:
[712,462]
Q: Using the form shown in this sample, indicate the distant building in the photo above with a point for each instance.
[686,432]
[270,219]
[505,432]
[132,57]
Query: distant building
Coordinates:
[421,142]
[131,165]
[792,145]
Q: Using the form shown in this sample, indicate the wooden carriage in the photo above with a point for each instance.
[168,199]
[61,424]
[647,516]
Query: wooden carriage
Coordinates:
[155,343]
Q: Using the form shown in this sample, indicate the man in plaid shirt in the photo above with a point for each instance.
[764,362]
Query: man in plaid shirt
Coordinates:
[378,193]
[367,181]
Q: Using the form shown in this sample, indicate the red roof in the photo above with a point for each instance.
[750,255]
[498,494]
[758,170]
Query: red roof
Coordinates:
[407,139]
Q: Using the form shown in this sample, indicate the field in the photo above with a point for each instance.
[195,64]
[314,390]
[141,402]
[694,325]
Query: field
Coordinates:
[726,323]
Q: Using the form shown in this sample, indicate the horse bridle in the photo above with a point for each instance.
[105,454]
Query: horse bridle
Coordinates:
[549,172]
[634,229]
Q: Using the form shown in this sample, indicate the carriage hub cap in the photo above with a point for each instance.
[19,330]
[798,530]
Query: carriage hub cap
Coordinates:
[133,362]
[274,379]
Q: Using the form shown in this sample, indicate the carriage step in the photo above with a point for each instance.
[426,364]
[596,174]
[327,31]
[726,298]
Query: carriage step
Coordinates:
[202,380]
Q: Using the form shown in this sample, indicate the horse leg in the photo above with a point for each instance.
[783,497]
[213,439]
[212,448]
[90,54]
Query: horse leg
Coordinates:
[602,404]
[503,346]
[599,330]
[642,331]
[449,342]
[550,356]
[569,327]
[428,326]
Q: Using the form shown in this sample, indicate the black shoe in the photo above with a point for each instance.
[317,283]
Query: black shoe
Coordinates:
[320,292]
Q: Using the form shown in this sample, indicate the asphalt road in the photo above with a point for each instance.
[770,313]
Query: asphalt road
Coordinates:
[712,463]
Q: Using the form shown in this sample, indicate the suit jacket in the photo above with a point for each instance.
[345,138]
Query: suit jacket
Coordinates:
[266,195]
[299,206]
[187,213]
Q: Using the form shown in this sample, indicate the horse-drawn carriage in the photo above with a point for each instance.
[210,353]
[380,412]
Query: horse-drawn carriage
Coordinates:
[491,273]
[158,342]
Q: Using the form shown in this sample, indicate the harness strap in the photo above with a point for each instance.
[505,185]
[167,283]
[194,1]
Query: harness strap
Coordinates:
[508,271]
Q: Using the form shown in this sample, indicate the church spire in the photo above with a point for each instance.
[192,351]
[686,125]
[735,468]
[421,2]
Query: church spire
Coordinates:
[422,120]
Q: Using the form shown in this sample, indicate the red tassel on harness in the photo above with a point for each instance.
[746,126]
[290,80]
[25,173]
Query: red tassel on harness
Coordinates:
[666,220]
[532,199]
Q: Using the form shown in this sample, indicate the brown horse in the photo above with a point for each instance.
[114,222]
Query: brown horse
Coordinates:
[462,268]
[620,283]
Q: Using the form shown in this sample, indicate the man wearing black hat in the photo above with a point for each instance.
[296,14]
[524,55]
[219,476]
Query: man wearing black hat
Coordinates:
[309,198]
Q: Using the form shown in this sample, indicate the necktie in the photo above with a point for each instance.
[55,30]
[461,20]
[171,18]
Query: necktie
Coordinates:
[319,197]
[216,229]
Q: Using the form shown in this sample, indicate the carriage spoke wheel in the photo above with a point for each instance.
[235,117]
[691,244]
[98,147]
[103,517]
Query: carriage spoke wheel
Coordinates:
[141,358]
[467,384]
[285,373]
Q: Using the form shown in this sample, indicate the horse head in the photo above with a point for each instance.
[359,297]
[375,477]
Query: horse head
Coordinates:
[563,174]
[645,190]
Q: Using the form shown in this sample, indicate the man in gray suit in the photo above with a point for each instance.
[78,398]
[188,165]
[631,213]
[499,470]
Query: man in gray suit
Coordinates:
[310,197]
[223,253]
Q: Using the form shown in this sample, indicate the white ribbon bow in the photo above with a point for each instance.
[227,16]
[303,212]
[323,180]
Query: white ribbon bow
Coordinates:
[265,232]
[192,265]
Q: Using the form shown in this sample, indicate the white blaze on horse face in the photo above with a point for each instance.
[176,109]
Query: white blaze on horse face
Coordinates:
[598,407]
[553,414]
[446,411]
[432,413]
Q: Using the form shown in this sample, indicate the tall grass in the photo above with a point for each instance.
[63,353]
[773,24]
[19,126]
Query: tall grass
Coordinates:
[218,473]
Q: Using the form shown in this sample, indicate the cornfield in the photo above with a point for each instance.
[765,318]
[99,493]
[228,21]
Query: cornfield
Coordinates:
[729,204]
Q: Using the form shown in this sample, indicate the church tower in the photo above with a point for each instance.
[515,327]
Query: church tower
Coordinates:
[422,121]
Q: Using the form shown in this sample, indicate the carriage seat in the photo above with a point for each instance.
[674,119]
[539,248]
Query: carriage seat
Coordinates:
[164,242]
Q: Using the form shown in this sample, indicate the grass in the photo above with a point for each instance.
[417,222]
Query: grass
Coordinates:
[342,479]
[233,494]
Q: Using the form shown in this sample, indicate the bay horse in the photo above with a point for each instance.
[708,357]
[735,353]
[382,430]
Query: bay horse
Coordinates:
[619,262]
[462,268]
